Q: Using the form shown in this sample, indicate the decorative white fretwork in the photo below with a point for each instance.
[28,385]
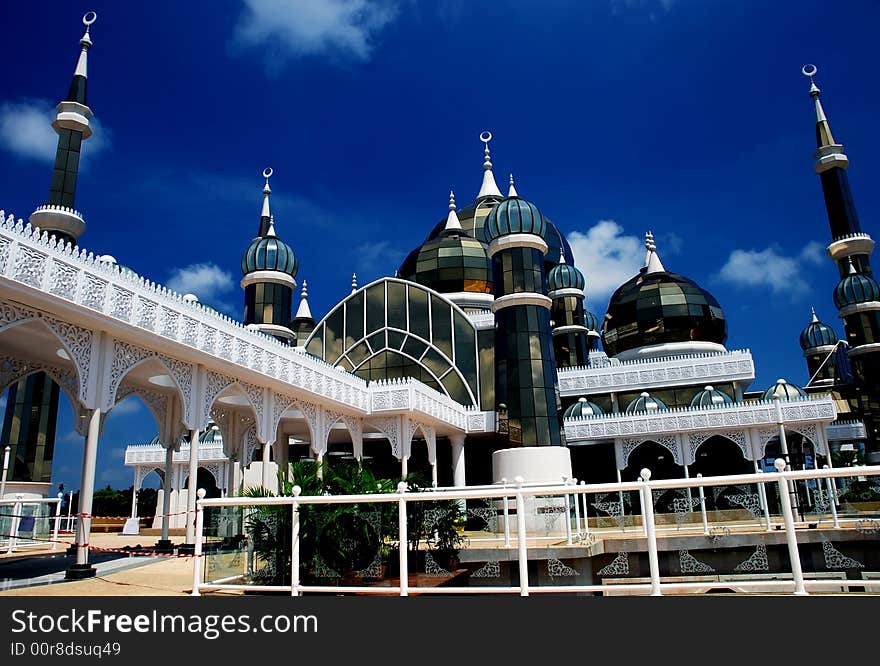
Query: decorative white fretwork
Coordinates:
[627,445]
[718,534]
[690,564]
[619,566]
[62,280]
[30,266]
[488,514]
[834,559]
[868,526]
[749,501]
[757,561]
[682,506]
[280,404]
[489,570]
[432,568]
[12,369]
[822,499]
[613,509]
[557,569]
[390,427]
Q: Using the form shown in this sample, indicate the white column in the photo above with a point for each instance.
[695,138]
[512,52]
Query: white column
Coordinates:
[134,492]
[458,470]
[404,468]
[230,476]
[783,443]
[267,452]
[192,486]
[166,491]
[87,489]
[434,474]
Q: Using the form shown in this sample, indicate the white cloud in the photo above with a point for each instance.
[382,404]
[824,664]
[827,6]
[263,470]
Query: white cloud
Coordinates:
[770,269]
[26,130]
[607,258]
[374,259]
[309,27]
[128,406]
[206,280]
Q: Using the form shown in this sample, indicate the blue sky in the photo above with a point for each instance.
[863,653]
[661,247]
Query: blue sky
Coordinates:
[686,117]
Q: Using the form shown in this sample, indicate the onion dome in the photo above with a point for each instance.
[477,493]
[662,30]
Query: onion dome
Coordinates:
[817,334]
[581,409]
[645,403]
[855,288]
[591,321]
[565,276]
[658,307]
[452,262]
[211,435]
[711,397]
[784,391]
[514,216]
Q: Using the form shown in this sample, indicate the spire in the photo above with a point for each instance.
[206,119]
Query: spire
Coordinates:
[512,191]
[266,220]
[815,319]
[77,92]
[303,311]
[452,223]
[829,153]
[354,282]
[652,261]
[561,253]
[489,187]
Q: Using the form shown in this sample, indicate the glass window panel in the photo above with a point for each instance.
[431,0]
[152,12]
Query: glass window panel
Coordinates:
[377,340]
[375,307]
[315,347]
[435,363]
[456,389]
[333,337]
[395,339]
[396,305]
[359,353]
[441,325]
[418,312]
[354,319]
[414,347]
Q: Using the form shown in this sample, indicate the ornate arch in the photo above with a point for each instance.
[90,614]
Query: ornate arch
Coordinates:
[697,439]
[13,369]
[623,448]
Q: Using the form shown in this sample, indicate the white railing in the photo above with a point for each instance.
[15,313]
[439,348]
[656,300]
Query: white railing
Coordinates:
[521,494]
[21,521]
[154,453]
[643,374]
[843,430]
[692,419]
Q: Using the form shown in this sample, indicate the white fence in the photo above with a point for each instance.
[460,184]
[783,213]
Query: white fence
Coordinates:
[777,518]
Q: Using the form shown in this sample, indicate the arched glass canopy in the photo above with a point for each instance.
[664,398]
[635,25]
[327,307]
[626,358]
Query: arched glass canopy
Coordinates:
[392,328]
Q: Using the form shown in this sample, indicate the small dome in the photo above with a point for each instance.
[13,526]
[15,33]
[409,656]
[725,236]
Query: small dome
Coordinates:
[565,276]
[645,403]
[514,216]
[591,321]
[856,288]
[582,408]
[211,435]
[784,390]
[452,262]
[711,397]
[269,253]
[817,334]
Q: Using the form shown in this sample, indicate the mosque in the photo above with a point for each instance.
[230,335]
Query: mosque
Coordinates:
[477,360]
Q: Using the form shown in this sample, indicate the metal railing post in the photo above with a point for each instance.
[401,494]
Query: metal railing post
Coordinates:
[642,500]
[586,516]
[402,537]
[577,512]
[522,546]
[505,502]
[14,523]
[650,532]
[294,543]
[197,551]
[703,507]
[57,524]
[790,536]
[567,498]
[829,484]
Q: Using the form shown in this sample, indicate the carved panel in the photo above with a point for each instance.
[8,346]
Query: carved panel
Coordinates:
[62,280]
[29,267]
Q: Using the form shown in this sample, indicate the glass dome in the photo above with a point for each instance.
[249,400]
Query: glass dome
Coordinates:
[645,403]
[582,408]
[565,276]
[711,397]
[856,288]
[661,307]
[269,253]
[784,391]
[452,262]
[514,216]
[591,321]
[817,334]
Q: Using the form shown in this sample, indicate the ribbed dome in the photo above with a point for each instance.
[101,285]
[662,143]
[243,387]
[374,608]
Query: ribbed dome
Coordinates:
[711,397]
[591,321]
[784,390]
[661,307]
[514,216]
[452,262]
[582,408]
[565,276]
[817,334]
[269,253]
[211,435]
[856,288]
[645,403]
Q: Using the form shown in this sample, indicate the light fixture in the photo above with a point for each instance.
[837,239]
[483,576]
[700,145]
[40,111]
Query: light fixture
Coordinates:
[233,400]
[162,380]
[62,353]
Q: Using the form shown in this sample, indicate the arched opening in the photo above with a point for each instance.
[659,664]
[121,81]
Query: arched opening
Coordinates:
[206,480]
[655,457]
[718,456]
[801,455]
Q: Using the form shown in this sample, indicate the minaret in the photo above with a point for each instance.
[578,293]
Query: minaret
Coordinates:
[857,295]
[58,216]
[303,323]
[571,336]
[526,379]
[269,268]
[818,341]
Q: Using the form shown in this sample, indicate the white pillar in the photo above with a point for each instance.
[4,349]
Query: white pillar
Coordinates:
[87,489]
[134,492]
[404,468]
[166,491]
[267,452]
[434,474]
[783,443]
[230,476]
[458,470]
[192,488]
